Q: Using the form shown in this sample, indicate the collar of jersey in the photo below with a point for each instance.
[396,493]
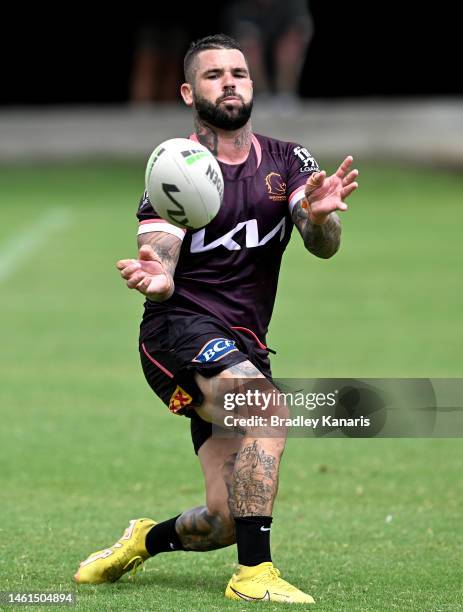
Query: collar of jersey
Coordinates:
[248,167]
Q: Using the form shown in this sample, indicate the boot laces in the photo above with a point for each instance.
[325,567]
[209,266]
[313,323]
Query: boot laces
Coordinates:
[274,574]
[137,562]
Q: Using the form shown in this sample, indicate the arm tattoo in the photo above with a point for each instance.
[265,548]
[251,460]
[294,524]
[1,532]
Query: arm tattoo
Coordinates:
[321,240]
[166,246]
[207,136]
[255,481]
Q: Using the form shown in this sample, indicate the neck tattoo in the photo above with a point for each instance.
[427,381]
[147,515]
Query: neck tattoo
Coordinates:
[206,136]
[209,138]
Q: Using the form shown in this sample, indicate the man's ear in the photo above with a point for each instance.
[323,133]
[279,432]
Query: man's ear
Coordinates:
[187,94]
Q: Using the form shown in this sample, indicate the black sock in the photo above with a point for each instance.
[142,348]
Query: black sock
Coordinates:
[163,538]
[253,539]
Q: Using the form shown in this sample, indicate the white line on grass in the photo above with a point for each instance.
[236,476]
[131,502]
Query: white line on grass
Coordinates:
[16,249]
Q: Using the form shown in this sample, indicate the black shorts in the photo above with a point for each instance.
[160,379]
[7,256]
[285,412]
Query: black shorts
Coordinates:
[174,346]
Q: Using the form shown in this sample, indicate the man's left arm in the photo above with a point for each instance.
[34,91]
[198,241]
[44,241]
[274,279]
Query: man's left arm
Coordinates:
[314,215]
[321,240]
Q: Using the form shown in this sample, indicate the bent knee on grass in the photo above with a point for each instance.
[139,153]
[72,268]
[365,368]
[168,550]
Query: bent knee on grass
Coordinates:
[203,529]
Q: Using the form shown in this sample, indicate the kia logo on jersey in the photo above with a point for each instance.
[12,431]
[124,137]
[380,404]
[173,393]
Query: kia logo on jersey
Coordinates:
[214,350]
[252,237]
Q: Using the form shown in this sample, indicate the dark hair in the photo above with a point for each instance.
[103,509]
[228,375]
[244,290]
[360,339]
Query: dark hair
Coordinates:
[216,41]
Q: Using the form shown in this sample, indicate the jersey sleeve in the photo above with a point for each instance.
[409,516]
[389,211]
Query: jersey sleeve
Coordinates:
[300,165]
[150,221]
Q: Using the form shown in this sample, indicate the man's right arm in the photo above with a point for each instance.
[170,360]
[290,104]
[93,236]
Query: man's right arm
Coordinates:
[152,274]
[166,246]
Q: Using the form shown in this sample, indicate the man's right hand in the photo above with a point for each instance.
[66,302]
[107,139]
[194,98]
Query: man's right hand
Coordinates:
[147,275]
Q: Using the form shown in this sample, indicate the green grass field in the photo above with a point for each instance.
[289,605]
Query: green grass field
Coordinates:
[360,524]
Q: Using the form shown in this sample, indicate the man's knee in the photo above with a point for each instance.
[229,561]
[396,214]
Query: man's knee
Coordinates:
[242,391]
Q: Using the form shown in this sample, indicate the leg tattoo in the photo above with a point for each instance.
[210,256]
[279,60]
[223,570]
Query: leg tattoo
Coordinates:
[201,531]
[255,480]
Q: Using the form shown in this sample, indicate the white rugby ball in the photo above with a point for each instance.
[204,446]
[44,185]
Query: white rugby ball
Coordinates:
[184,183]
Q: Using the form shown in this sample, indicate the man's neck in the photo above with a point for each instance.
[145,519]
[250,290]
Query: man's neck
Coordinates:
[231,147]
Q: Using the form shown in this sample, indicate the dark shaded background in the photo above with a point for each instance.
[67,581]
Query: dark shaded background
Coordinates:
[363,49]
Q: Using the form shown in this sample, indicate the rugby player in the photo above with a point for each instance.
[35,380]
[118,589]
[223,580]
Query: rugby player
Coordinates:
[210,295]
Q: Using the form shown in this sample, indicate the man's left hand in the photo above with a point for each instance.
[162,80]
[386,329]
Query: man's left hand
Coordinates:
[327,194]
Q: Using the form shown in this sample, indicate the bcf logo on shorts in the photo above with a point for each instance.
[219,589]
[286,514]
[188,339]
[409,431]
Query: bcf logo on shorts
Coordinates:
[214,350]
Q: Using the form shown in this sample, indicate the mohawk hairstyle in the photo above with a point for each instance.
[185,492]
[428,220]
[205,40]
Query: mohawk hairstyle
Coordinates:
[216,41]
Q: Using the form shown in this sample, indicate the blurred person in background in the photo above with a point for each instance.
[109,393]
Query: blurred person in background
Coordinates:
[161,40]
[274,36]
[157,64]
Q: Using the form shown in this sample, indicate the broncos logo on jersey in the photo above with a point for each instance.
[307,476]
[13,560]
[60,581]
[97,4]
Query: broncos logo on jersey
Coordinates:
[276,187]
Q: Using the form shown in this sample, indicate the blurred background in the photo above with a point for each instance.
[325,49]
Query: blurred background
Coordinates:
[85,96]
[379,79]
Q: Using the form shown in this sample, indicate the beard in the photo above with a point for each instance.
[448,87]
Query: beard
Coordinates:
[220,116]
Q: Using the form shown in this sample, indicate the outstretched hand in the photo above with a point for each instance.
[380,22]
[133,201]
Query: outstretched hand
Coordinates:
[147,275]
[327,194]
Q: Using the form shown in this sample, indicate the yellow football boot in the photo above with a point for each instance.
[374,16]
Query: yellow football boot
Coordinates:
[126,554]
[263,583]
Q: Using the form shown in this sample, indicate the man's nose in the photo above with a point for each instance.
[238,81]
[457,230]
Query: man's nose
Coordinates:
[228,81]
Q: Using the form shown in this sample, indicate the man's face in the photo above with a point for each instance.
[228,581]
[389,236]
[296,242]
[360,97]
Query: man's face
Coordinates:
[222,89]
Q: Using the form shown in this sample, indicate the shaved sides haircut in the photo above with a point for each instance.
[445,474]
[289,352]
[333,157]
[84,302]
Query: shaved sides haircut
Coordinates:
[217,41]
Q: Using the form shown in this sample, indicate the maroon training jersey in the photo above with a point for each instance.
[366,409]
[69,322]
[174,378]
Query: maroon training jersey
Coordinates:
[230,268]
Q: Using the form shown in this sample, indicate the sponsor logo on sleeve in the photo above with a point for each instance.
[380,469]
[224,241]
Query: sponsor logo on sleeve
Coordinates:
[214,350]
[179,399]
[308,163]
[276,187]
[144,202]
